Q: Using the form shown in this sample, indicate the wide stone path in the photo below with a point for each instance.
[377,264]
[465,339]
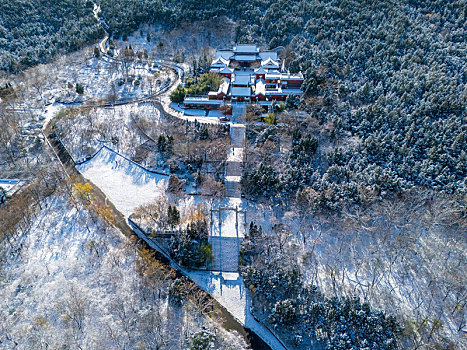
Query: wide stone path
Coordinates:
[226,253]
[226,234]
[233,171]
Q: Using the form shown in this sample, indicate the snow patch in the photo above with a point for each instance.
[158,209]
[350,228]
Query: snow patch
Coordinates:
[126,184]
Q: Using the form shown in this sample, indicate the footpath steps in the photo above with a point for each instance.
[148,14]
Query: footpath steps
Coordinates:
[225,252]
[233,169]
[225,246]
[237,135]
[233,189]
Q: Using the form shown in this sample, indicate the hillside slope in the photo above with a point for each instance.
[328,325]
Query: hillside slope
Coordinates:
[73,282]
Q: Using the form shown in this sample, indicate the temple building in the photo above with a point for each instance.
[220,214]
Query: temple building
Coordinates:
[250,76]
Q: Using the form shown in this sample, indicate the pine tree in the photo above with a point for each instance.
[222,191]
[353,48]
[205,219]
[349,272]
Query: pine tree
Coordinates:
[173,216]
[161,143]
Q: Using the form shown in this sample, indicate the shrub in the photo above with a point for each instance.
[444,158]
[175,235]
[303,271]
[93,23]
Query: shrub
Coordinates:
[284,313]
[202,340]
[79,88]
[178,95]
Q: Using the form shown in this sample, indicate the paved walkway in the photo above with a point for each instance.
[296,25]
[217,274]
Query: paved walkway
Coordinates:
[227,229]
[226,252]
[238,112]
[233,171]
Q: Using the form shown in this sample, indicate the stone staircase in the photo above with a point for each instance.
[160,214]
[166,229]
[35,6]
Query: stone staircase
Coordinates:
[225,252]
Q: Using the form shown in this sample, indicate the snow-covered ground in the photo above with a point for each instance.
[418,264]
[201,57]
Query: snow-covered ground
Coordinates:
[72,282]
[128,186]
[104,78]
[187,38]
[54,266]
[195,113]
[238,111]
[215,114]
[125,183]
[50,112]
[84,132]
[191,114]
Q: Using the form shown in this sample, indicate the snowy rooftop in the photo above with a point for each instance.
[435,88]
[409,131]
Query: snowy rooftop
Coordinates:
[273,76]
[283,92]
[219,62]
[260,88]
[245,53]
[226,70]
[245,48]
[245,58]
[264,103]
[224,88]
[226,54]
[201,100]
[288,76]
[268,54]
[241,91]
[241,79]
[196,98]
[270,63]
